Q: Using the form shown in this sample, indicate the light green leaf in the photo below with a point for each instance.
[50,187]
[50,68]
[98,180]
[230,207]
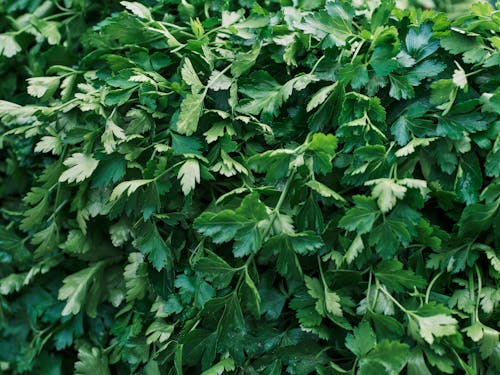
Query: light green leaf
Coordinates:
[410,147]
[254,293]
[354,249]
[49,29]
[460,77]
[129,187]
[76,287]
[49,143]
[324,190]
[159,332]
[190,76]
[243,61]
[387,192]
[8,45]
[81,167]
[138,9]
[219,81]
[332,303]
[136,277]
[43,87]
[189,174]
[224,365]
[320,96]
[190,112]
[435,326]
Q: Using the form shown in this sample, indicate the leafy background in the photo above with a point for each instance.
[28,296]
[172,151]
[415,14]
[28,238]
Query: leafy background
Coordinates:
[249,187]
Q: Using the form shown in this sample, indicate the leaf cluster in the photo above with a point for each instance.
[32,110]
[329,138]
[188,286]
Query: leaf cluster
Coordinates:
[249,187]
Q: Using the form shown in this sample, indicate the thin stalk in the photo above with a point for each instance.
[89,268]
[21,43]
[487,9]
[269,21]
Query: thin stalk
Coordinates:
[431,284]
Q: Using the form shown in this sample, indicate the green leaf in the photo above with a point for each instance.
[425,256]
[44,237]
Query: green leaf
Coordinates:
[320,97]
[362,340]
[136,277]
[243,61]
[327,302]
[391,355]
[109,170]
[469,178]
[190,76]
[400,87]
[81,167]
[419,43]
[128,187]
[305,242]
[392,275]
[388,236]
[361,217]
[43,87]
[49,29]
[190,112]
[215,267]
[266,95]
[76,288]
[137,8]
[457,43]
[434,321]
[254,295]
[387,192]
[222,226]
[334,24]
[151,244]
[224,365]
[323,148]
[91,361]
[355,73]
[248,241]
[416,363]
[76,242]
[189,174]
[477,217]
[12,244]
[9,47]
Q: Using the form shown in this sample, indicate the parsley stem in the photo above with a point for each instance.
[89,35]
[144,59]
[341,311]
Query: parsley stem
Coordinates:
[394,300]
[431,284]
[272,217]
[472,289]
[479,290]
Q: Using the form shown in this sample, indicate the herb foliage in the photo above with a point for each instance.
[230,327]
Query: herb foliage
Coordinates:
[226,187]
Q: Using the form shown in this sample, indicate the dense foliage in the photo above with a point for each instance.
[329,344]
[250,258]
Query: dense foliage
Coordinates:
[226,187]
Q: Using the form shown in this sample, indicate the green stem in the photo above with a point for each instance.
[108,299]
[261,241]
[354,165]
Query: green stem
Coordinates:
[394,300]
[369,291]
[272,217]
[321,272]
[479,289]
[431,284]
[316,64]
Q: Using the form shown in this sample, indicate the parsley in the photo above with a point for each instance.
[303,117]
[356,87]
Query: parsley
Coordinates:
[228,187]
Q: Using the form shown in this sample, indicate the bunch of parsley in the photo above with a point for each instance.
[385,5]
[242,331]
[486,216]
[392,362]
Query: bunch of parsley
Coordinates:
[249,187]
